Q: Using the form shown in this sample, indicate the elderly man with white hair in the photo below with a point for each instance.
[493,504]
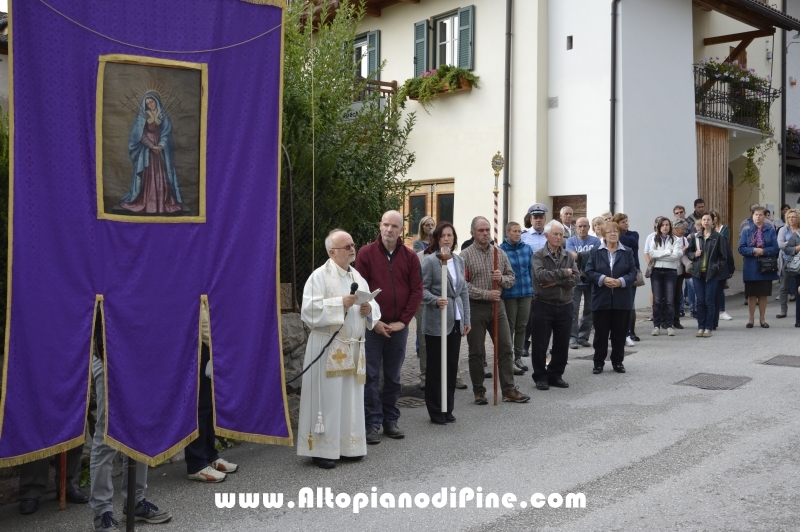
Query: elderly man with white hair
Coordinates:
[331,424]
[554,279]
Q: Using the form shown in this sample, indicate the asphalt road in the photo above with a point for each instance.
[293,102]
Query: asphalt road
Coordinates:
[648,454]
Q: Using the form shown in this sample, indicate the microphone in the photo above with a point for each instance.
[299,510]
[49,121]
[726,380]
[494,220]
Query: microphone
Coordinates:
[353,288]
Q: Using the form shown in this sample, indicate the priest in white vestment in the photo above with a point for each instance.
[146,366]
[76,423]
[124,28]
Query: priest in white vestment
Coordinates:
[331,421]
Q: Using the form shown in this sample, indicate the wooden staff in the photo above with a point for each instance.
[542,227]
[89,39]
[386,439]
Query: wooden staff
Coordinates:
[62,481]
[496,305]
[497,165]
[444,255]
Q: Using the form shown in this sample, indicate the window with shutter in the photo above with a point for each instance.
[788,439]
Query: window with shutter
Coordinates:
[420,48]
[466,33]
[453,35]
[368,55]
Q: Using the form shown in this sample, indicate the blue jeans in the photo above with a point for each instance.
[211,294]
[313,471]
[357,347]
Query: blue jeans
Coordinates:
[662,281]
[380,406]
[690,295]
[705,291]
[719,300]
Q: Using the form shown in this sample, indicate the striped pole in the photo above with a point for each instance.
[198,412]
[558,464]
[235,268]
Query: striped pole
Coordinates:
[497,166]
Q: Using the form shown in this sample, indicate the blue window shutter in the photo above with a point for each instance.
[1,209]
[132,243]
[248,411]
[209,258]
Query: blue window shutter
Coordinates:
[420,48]
[466,35]
[374,54]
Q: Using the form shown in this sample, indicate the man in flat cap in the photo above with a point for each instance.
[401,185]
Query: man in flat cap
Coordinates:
[535,238]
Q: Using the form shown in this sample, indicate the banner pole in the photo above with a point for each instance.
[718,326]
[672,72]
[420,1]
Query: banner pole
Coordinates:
[131,508]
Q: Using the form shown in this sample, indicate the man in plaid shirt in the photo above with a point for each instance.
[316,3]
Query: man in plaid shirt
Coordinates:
[479,261]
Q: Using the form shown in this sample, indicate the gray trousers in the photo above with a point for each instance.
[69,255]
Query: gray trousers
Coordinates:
[481,316]
[421,352]
[786,281]
[581,328]
[518,310]
[33,475]
[102,460]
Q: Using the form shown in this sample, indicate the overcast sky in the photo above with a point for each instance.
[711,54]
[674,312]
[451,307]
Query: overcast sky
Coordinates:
[4,6]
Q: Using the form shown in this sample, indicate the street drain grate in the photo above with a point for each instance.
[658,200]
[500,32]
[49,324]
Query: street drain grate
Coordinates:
[784,360]
[708,381]
[608,356]
[410,402]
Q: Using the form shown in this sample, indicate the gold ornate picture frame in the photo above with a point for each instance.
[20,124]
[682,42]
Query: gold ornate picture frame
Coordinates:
[150,127]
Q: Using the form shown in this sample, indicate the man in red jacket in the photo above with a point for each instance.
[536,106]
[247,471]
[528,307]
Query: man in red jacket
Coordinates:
[389,265]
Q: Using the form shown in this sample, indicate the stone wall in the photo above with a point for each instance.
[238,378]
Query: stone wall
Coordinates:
[294,334]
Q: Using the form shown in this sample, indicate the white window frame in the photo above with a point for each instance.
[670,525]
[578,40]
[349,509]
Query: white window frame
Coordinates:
[449,41]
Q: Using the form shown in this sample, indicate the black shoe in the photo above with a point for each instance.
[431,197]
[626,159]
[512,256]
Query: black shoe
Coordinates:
[677,326]
[518,363]
[487,375]
[77,497]
[779,316]
[439,421]
[28,506]
[765,325]
[542,385]
[450,418]
[797,324]
[324,463]
[583,342]
[635,338]
[619,368]
[391,430]
[525,353]
[373,436]
[597,371]
[749,325]
[558,382]
[353,458]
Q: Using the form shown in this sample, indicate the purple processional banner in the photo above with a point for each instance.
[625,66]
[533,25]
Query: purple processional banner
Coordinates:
[145,164]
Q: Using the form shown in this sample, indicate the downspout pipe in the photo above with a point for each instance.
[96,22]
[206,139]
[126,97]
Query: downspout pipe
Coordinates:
[507,115]
[613,154]
[784,79]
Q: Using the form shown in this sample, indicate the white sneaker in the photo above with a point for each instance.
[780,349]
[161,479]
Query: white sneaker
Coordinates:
[655,331]
[699,333]
[725,316]
[207,474]
[670,331]
[629,342]
[223,466]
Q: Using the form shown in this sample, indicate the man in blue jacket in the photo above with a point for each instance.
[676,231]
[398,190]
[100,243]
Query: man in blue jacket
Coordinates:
[517,299]
[580,245]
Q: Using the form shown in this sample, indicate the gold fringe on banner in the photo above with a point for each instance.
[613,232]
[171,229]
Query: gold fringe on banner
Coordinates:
[154,460]
[276,3]
[43,453]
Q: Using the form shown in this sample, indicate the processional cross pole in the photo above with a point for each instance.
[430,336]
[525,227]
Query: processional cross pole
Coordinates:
[497,165]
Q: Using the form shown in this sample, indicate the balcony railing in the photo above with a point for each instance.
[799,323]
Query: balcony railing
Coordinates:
[734,101]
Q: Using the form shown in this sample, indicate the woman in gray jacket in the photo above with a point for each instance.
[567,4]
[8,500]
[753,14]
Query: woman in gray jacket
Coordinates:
[791,249]
[456,301]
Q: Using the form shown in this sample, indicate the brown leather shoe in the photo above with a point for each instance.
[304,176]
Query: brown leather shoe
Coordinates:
[515,396]
[480,399]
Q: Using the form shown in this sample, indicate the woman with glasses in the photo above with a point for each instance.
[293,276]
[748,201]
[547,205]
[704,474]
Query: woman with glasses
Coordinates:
[611,271]
[758,241]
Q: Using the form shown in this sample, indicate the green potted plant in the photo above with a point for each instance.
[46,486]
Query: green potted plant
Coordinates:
[430,85]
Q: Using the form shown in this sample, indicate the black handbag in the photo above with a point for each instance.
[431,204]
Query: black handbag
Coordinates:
[768,264]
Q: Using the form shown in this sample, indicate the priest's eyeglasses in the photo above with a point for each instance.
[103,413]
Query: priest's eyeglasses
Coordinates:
[348,247]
